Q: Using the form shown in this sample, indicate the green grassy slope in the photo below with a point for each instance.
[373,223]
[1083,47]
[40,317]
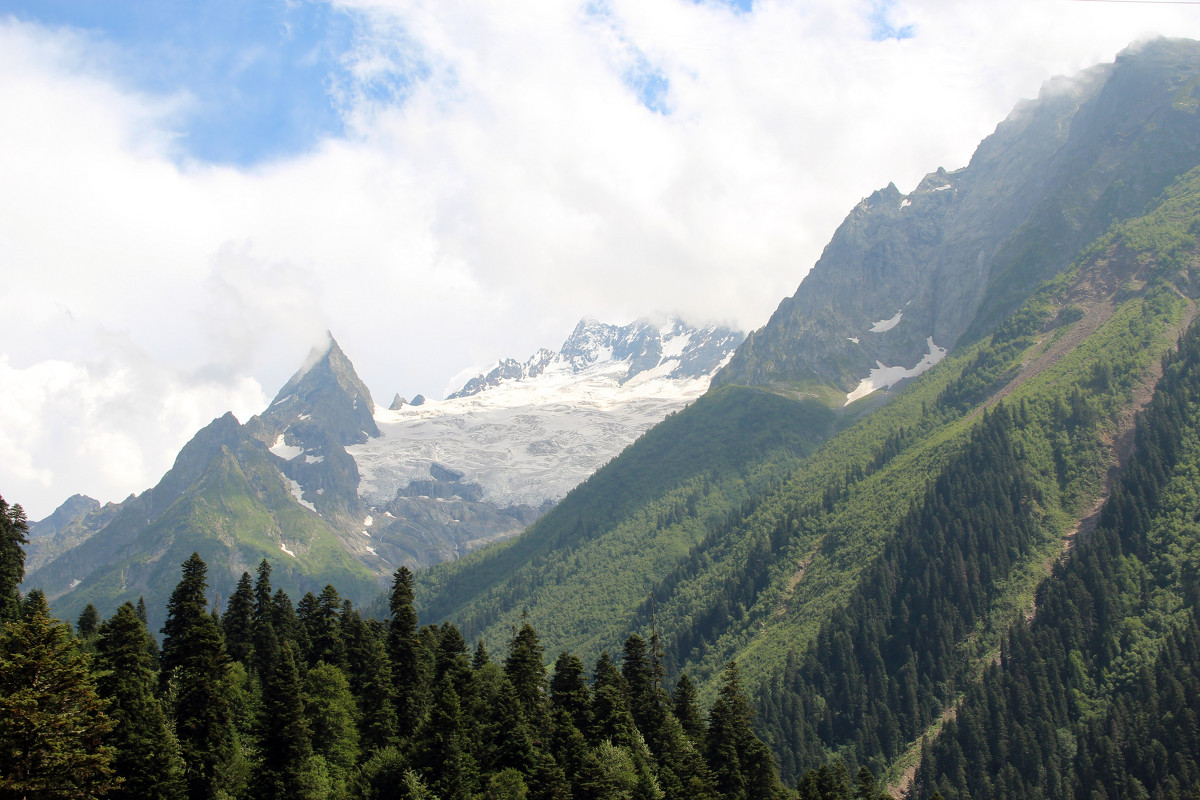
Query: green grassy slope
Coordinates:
[237,513]
[629,524]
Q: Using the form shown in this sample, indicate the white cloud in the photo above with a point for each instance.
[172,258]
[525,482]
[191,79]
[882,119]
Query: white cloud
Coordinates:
[500,179]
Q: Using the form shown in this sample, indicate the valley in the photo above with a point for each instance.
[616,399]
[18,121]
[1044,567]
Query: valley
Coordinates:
[934,525]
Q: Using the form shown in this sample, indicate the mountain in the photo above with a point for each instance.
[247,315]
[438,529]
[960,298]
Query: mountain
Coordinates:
[224,498]
[331,495]
[448,476]
[863,555]
[75,520]
[908,276]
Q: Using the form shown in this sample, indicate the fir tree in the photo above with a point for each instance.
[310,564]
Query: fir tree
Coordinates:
[266,642]
[408,682]
[569,691]
[287,770]
[450,769]
[88,622]
[739,760]
[331,713]
[687,710]
[147,753]
[238,623]
[525,668]
[370,675]
[194,671]
[52,723]
[13,530]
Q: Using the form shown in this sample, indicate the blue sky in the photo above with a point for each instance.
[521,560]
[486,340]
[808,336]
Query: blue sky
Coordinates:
[259,75]
[263,79]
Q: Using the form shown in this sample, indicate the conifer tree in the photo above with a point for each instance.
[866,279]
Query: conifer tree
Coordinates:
[687,710]
[287,770]
[480,658]
[525,668]
[741,763]
[569,691]
[644,699]
[13,530]
[320,620]
[147,754]
[450,769]
[408,682]
[52,723]
[266,642]
[194,673]
[611,714]
[238,623]
[88,622]
[331,713]
[370,675]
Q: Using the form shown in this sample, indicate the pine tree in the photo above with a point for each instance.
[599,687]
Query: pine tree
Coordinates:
[194,673]
[147,753]
[52,723]
[13,530]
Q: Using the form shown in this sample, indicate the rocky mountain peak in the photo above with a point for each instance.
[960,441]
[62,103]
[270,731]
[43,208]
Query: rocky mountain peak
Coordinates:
[72,509]
[907,277]
[325,392]
[675,349]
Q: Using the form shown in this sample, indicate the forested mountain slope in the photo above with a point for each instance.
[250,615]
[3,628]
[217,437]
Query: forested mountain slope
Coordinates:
[864,588]
[1102,687]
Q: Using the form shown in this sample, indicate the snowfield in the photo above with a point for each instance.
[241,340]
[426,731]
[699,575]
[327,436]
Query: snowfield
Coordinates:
[525,441]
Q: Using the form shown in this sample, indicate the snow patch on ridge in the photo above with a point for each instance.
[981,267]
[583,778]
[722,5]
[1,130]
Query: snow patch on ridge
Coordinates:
[298,493]
[285,451]
[883,377]
[885,325]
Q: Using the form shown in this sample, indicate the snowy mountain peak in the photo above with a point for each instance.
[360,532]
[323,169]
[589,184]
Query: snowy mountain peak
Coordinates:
[671,350]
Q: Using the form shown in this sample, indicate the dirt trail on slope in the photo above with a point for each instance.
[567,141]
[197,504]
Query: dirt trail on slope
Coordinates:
[1121,444]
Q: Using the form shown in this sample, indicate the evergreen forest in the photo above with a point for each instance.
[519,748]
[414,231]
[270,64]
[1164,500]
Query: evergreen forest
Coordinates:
[269,699]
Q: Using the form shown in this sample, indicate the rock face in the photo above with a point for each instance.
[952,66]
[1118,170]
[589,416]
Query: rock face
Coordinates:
[71,524]
[906,274]
[321,410]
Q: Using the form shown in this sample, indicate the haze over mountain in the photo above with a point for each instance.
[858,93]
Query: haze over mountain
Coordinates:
[345,489]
